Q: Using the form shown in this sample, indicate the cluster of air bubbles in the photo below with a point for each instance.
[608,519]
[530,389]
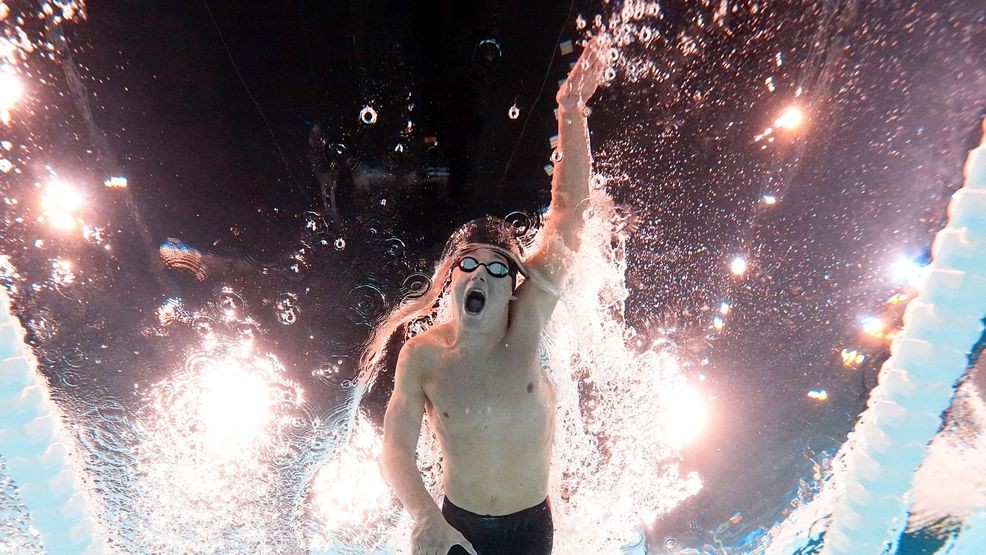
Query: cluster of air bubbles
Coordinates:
[287,308]
[94,235]
[368,116]
[297,264]
[230,304]
[315,223]
[246,329]
[202,325]
[513,112]
[74,357]
[61,272]
[332,372]
[172,311]
[209,435]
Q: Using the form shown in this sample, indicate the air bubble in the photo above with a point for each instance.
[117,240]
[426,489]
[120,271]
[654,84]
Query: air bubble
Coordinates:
[368,115]
[513,112]
[609,74]
[230,304]
[339,244]
[314,223]
[394,248]
[556,156]
[415,285]
[287,309]
[670,544]
[519,222]
[598,182]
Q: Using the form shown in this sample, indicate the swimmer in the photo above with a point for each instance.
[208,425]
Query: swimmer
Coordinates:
[477,376]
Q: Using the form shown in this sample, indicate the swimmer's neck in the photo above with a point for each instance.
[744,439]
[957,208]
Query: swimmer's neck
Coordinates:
[475,341]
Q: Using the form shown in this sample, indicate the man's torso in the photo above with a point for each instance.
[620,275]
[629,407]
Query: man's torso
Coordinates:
[494,418]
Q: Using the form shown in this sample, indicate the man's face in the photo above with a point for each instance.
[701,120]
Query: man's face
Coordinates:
[478,294]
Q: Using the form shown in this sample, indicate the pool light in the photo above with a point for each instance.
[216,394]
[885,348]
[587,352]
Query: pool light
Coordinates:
[61,204]
[790,119]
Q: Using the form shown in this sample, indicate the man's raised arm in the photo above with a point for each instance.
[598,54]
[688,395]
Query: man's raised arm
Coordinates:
[570,181]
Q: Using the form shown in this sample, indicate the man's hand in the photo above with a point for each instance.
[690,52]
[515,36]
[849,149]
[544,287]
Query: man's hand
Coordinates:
[433,535]
[582,81]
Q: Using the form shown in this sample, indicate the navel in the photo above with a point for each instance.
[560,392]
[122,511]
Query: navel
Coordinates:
[445,414]
[530,387]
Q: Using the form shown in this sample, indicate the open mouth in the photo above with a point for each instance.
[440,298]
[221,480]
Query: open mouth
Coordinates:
[475,301]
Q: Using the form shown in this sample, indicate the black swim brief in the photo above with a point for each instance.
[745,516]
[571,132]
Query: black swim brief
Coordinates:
[527,532]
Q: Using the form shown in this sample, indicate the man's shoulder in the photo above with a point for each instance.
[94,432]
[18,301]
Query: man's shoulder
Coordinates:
[421,349]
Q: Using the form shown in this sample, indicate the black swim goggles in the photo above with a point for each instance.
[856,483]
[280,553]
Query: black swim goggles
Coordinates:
[496,268]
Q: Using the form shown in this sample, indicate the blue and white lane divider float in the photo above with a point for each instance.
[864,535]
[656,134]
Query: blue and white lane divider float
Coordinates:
[38,459]
[941,325]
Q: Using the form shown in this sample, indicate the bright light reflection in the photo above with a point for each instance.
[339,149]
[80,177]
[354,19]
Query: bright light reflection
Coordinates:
[10,92]
[818,394]
[907,271]
[738,266]
[873,326]
[686,415]
[235,407]
[349,493]
[116,182]
[852,358]
[791,119]
[61,204]
[209,435]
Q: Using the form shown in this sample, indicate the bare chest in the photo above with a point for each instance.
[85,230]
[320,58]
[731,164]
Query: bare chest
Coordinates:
[481,398]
